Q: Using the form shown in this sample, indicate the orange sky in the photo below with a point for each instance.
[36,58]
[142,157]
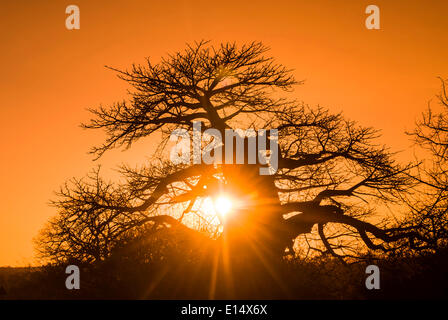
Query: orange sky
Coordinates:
[49,75]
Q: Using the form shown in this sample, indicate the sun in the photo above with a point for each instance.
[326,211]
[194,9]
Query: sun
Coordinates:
[217,206]
[223,205]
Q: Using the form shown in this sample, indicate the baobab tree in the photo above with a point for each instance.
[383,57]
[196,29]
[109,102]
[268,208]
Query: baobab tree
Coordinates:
[327,193]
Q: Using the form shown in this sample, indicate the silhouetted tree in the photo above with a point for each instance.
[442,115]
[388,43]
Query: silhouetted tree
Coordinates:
[328,194]
[430,205]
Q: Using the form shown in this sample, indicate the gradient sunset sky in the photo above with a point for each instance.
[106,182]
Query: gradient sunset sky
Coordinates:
[50,75]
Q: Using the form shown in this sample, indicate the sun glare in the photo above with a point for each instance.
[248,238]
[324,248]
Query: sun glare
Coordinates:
[220,205]
[223,205]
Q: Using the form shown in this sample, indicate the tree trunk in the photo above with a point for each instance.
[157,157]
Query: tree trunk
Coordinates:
[257,227]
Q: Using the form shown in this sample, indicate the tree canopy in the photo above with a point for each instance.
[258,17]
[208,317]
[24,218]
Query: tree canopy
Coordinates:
[329,194]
